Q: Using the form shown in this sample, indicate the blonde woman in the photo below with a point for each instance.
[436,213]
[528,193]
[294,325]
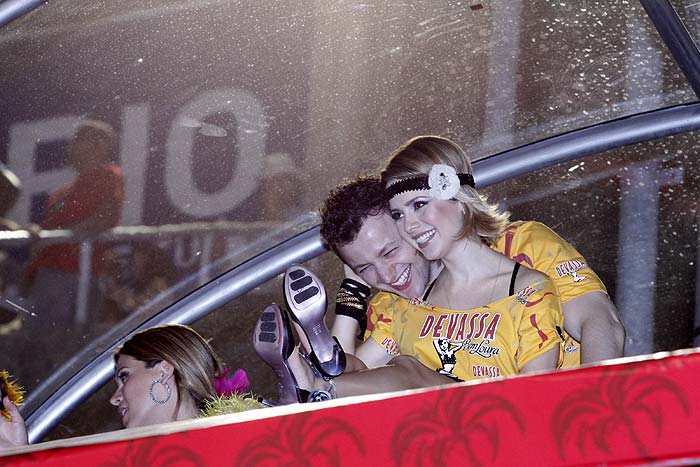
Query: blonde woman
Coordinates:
[501,318]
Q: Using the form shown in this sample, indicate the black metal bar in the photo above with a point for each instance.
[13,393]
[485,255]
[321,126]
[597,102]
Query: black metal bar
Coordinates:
[10,10]
[677,39]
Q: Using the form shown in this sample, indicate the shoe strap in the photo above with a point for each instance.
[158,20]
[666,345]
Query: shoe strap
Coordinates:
[321,395]
[309,359]
[317,395]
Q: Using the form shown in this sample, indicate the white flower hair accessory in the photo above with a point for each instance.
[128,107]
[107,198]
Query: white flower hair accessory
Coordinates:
[443,182]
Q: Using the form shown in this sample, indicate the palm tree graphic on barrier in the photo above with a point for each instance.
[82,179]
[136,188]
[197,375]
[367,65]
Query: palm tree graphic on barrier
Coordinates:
[455,427]
[617,403]
[305,439]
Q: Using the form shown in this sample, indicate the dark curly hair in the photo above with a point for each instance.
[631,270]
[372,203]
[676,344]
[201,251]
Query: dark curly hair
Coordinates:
[347,206]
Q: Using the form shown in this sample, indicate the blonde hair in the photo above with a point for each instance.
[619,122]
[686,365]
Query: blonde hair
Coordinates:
[417,156]
[194,361]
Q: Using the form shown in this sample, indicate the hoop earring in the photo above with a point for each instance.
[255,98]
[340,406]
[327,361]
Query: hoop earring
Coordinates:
[153,398]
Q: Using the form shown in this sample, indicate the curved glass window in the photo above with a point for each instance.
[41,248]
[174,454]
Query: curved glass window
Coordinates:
[231,121]
[632,212]
[689,12]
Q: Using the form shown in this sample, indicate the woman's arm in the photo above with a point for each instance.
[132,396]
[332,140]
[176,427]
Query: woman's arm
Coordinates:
[547,361]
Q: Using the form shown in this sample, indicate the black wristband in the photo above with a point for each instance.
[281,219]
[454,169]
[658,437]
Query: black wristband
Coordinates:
[356,288]
[352,301]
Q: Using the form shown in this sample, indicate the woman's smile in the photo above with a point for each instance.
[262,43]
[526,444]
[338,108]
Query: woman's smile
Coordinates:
[423,239]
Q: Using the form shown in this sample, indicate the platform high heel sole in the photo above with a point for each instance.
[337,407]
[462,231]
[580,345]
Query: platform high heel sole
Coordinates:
[306,302]
[274,343]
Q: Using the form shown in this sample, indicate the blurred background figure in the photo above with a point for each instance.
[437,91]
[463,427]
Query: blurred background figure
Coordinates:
[91,204]
[133,275]
[10,187]
[9,266]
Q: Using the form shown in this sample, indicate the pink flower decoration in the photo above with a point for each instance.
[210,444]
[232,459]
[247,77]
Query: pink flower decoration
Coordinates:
[236,384]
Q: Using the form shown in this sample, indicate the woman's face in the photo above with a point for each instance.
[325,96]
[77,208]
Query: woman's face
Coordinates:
[132,398]
[430,225]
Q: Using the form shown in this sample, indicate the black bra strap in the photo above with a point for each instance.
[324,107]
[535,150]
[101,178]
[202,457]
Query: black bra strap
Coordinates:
[511,290]
[427,292]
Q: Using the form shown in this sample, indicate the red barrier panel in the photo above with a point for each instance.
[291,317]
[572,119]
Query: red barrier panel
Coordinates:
[636,412]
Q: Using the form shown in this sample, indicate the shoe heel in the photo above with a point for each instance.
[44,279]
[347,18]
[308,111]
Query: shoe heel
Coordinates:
[273,342]
[306,301]
[305,291]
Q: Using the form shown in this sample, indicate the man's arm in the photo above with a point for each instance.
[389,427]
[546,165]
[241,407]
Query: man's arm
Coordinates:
[593,320]
[589,315]
[350,310]
[369,353]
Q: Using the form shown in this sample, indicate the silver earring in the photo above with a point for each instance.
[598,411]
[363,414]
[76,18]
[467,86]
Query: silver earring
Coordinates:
[153,398]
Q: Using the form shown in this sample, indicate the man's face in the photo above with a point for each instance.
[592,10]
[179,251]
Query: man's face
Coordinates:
[384,260]
[87,151]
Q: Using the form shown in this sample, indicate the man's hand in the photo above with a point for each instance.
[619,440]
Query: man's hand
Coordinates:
[350,310]
[592,319]
[13,433]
